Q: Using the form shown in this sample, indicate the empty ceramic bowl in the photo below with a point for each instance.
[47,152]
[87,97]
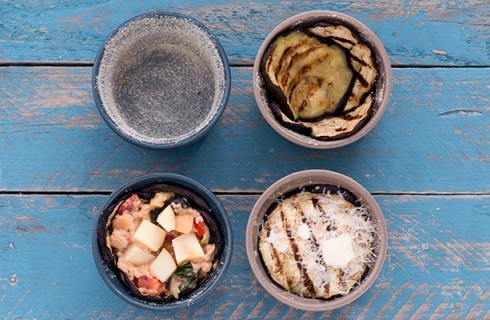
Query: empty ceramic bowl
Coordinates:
[150,254]
[322,79]
[316,240]
[161,80]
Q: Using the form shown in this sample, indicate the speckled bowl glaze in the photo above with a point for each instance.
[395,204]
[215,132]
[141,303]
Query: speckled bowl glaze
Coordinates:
[111,277]
[161,80]
[297,181]
[382,86]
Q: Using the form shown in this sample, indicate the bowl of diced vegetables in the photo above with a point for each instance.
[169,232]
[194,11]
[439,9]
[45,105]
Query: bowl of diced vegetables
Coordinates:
[162,242]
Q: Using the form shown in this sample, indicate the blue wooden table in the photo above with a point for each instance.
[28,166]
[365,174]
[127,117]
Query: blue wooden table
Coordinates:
[427,162]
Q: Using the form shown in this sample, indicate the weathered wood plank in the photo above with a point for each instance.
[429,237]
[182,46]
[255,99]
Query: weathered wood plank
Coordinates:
[414,32]
[434,137]
[438,264]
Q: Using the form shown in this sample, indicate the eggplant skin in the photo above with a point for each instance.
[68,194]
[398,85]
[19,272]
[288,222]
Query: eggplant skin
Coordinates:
[183,196]
[360,94]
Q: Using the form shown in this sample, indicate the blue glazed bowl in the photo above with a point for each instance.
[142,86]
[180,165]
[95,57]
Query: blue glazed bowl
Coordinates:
[161,80]
[111,275]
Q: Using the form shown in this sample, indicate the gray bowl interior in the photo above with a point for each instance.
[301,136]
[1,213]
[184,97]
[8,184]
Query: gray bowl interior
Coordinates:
[293,182]
[112,279]
[161,79]
[382,86]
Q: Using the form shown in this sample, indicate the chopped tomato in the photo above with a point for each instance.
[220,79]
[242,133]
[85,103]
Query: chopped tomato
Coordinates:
[150,283]
[130,204]
[199,226]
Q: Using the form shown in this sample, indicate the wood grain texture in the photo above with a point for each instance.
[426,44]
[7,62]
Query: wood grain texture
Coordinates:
[433,138]
[434,265]
[413,32]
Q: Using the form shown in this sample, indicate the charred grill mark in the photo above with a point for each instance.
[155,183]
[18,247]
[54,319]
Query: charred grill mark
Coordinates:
[349,117]
[294,82]
[290,51]
[338,39]
[267,228]
[289,281]
[315,202]
[343,281]
[303,106]
[322,210]
[330,227]
[364,63]
[281,62]
[276,258]
[305,278]
[294,60]
[275,255]
[361,79]
[314,242]
[269,60]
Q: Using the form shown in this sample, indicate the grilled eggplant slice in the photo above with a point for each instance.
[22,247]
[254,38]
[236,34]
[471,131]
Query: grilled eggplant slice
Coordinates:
[316,77]
[167,194]
[297,236]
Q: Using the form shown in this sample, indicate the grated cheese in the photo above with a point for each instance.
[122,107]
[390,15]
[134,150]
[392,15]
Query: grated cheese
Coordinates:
[334,241]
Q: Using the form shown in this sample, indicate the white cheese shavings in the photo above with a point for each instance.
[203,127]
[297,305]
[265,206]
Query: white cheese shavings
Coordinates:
[338,252]
[278,240]
[304,231]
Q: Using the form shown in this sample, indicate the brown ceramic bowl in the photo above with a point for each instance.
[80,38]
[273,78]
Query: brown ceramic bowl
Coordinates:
[297,181]
[382,86]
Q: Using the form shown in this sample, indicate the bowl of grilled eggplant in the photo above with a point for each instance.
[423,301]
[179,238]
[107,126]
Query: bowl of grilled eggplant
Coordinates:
[162,242]
[316,240]
[322,79]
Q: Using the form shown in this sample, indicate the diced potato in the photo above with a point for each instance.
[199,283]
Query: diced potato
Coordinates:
[164,266]
[167,218]
[138,256]
[184,223]
[186,247]
[150,235]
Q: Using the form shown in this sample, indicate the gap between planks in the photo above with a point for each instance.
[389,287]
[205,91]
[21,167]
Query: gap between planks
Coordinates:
[233,64]
[241,193]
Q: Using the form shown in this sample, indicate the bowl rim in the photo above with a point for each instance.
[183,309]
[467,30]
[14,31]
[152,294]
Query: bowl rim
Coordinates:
[209,196]
[289,183]
[375,45]
[197,135]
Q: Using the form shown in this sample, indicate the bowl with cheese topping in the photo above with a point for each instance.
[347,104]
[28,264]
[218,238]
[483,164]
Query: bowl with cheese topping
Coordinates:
[162,242]
[316,240]
[322,79]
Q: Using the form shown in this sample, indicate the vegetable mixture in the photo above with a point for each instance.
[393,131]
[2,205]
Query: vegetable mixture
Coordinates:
[161,242]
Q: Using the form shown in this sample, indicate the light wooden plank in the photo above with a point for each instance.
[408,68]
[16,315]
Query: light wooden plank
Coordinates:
[434,137]
[414,32]
[437,264]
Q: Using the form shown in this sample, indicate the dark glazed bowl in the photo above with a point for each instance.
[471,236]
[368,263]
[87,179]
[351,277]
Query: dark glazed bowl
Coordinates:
[382,85]
[112,278]
[161,80]
[296,182]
